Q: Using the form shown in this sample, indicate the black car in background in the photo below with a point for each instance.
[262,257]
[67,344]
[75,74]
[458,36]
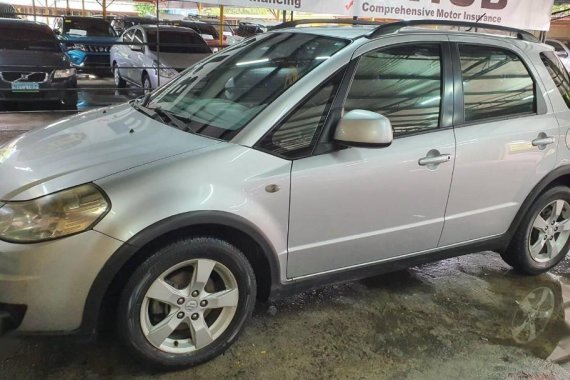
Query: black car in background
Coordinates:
[248,29]
[88,41]
[33,65]
[207,31]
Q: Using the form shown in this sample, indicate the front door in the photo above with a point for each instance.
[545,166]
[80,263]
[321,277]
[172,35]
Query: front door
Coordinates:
[356,206]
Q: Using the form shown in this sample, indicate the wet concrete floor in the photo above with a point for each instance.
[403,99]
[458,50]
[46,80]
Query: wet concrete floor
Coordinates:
[463,318]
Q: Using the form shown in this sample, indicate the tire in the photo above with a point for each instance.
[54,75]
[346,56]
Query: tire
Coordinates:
[69,103]
[140,313]
[549,236]
[119,81]
[146,85]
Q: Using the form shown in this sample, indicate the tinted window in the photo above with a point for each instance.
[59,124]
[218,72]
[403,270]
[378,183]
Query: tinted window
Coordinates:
[177,42]
[558,74]
[128,36]
[21,38]
[555,45]
[496,83]
[297,136]
[91,27]
[223,94]
[402,83]
[138,38]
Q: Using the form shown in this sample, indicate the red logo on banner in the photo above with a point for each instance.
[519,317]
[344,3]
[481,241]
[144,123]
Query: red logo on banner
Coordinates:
[349,5]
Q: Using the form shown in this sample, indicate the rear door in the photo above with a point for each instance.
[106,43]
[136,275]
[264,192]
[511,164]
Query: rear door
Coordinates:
[506,137]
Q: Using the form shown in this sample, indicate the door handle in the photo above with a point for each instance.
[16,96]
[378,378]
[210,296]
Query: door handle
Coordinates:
[543,140]
[434,158]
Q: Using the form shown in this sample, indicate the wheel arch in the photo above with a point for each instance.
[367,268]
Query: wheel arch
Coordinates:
[558,177]
[104,293]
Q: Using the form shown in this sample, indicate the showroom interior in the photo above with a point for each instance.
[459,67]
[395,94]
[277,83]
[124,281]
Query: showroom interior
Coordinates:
[285,189]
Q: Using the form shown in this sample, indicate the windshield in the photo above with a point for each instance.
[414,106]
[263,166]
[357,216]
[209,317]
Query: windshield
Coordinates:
[88,27]
[177,42]
[222,95]
[28,39]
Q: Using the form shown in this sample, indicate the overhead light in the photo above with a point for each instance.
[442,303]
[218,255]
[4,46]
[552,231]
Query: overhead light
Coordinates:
[245,63]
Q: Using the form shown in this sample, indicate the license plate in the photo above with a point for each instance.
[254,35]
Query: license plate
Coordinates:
[25,87]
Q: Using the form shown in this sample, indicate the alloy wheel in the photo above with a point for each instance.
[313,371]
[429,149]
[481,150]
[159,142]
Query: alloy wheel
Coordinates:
[189,306]
[550,231]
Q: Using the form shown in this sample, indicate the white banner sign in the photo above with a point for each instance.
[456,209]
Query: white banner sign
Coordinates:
[523,14]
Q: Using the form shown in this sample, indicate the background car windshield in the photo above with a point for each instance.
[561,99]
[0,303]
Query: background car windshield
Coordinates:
[177,42]
[88,27]
[223,94]
[27,39]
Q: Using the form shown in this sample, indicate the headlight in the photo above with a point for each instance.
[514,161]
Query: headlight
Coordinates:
[53,216]
[164,71]
[65,73]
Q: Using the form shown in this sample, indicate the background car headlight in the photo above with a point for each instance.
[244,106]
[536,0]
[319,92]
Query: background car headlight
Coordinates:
[164,71]
[53,216]
[65,73]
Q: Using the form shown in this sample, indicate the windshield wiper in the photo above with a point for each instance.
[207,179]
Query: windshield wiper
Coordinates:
[140,107]
[173,119]
[165,116]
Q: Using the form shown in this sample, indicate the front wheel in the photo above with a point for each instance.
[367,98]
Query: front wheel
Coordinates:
[147,86]
[117,78]
[187,303]
[543,238]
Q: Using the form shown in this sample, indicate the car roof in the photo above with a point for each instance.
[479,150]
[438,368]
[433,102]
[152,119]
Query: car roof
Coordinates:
[16,23]
[362,31]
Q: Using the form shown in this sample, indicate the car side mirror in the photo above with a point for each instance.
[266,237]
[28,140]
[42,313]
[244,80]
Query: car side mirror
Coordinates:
[366,129]
[562,54]
[57,32]
[136,47]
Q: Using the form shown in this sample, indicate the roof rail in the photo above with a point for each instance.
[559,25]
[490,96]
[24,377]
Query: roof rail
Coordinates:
[347,21]
[396,26]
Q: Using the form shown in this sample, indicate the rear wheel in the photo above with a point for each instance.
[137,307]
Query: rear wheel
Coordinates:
[543,238]
[187,303]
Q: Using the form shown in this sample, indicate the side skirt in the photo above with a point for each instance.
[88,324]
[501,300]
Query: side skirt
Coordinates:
[278,291]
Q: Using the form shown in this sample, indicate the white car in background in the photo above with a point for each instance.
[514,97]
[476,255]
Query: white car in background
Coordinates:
[140,65]
[562,51]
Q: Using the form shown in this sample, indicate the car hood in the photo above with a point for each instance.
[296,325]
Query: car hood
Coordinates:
[85,148]
[44,59]
[180,61]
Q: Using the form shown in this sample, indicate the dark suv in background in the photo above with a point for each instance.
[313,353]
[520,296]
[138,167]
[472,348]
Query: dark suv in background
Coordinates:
[88,41]
[33,65]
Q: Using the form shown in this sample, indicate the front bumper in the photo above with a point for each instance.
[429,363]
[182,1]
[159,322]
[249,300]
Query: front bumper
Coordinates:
[51,90]
[50,281]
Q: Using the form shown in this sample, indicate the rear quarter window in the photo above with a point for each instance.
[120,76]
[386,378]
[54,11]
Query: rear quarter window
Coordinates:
[558,74]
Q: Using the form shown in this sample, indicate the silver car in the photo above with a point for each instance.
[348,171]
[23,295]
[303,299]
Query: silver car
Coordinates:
[562,51]
[137,61]
[297,158]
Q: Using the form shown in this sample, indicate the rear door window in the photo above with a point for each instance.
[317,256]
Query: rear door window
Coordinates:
[496,83]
